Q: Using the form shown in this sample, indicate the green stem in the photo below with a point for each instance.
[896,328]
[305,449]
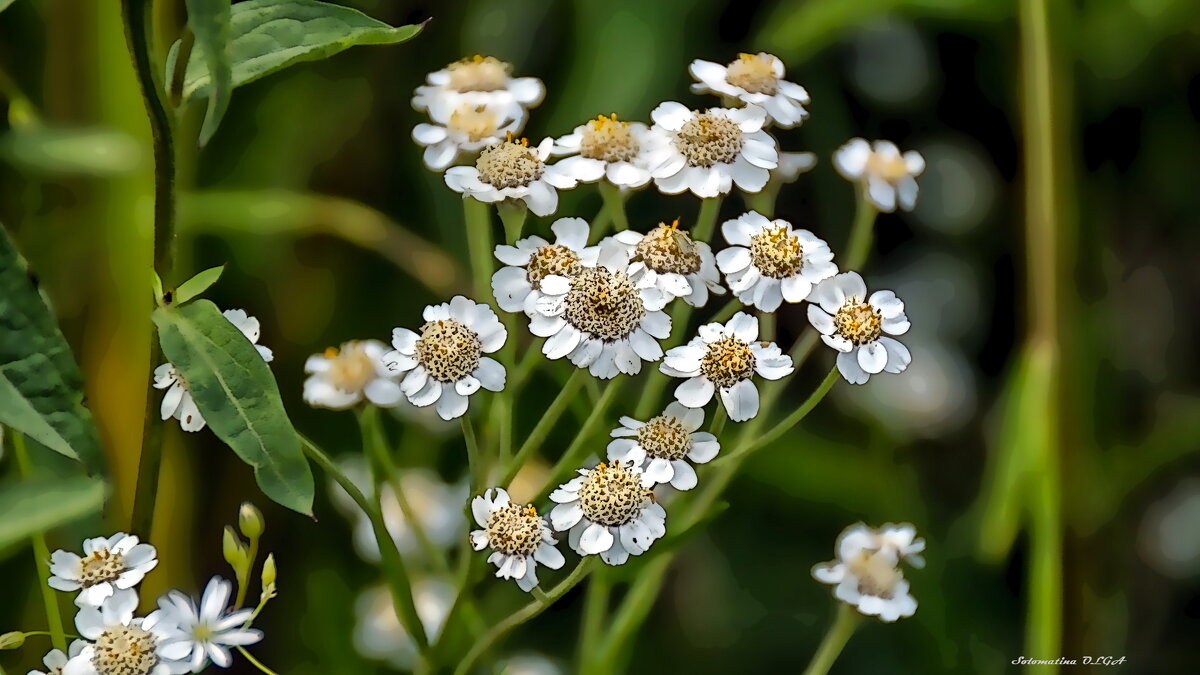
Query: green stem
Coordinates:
[244,584]
[595,611]
[653,387]
[706,221]
[757,441]
[635,607]
[614,204]
[544,425]
[474,457]
[844,623]
[41,554]
[861,233]
[478,221]
[513,215]
[726,312]
[600,223]
[574,453]
[255,662]
[763,201]
[718,420]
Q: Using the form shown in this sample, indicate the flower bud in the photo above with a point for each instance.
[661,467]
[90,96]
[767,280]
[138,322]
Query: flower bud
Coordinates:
[235,552]
[268,572]
[250,520]
[12,640]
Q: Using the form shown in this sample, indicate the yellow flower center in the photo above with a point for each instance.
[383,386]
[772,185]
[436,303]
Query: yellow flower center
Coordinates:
[448,350]
[604,303]
[668,249]
[100,567]
[515,530]
[612,495]
[509,164]
[877,575]
[476,122]
[890,168]
[351,369]
[608,140]
[858,322]
[665,437]
[727,362]
[776,252]
[479,73]
[551,259]
[125,650]
[708,138]
[755,73]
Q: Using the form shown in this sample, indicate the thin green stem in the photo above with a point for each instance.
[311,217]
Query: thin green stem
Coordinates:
[763,201]
[478,220]
[595,611]
[653,387]
[244,584]
[41,554]
[474,456]
[861,234]
[727,311]
[844,623]
[757,441]
[600,223]
[706,221]
[513,215]
[614,204]
[718,420]
[578,448]
[635,607]
[544,425]
[255,662]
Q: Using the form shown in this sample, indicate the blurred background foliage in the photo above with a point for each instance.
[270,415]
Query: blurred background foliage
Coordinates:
[316,196]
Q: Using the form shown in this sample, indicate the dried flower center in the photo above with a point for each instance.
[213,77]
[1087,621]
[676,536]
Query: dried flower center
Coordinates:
[515,530]
[551,259]
[727,362]
[100,567]
[351,369]
[665,437]
[889,167]
[667,249]
[776,252]
[707,139]
[612,494]
[475,122]
[604,303]
[478,73]
[448,350]
[858,322]
[877,574]
[509,164]
[755,73]
[608,140]
[125,650]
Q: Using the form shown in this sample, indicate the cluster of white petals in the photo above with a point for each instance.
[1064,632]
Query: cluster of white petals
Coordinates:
[858,326]
[866,573]
[888,178]
[708,151]
[518,536]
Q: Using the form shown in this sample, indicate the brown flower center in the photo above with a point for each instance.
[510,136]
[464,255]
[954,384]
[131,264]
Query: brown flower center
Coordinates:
[612,494]
[665,437]
[604,303]
[448,350]
[608,140]
[477,122]
[479,73]
[351,369]
[876,574]
[515,530]
[100,567]
[509,164]
[551,259]
[667,249]
[125,650]
[708,138]
[776,252]
[727,362]
[755,73]
[858,322]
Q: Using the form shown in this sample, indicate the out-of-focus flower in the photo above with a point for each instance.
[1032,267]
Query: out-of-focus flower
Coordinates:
[477,81]
[529,663]
[468,129]
[666,263]
[887,177]
[709,151]
[342,377]
[724,358]
[867,574]
[518,286]
[792,164]
[768,262]
[379,635]
[854,325]
[609,511]
[55,660]
[606,148]
[513,170]
[660,445]
[754,79]
[206,632]
[1169,534]
[119,644]
[518,536]
[110,567]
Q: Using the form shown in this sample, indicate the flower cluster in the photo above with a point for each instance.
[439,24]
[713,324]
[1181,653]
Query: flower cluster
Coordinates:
[866,573]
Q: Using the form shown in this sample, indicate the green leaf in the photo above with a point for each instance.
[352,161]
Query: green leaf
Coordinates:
[209,21]
[92,152]
[235,391]
[39,505]
[270,35]
[5,3]
[41,388]
[197,285]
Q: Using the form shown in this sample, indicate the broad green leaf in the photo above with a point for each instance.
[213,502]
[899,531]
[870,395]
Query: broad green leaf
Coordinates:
[43,504]
[41,388]
[235,391]
[197,285]
[209,21]
[270,35]
[5,3]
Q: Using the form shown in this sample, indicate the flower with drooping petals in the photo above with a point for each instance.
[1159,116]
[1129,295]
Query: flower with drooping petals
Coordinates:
[867,574]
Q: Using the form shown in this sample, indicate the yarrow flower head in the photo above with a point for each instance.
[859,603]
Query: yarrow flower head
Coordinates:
[754,79]
[513,170]
[342,377]
[661,445]
[468,129]
[519,285]
[478,81]
[666,264]
[55,660]
[445,363]
[518,536]
[606,148]
[119,644]
[178,401]
[724,358]
[108,570]
[769,261]
[709,151]
[867,574]
[610,511]
[197,634]
[858,327]
[888,177]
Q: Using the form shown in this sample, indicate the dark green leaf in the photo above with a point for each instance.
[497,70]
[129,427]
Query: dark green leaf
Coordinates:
[40,505]
[209,21]
[197,284]
[235,391]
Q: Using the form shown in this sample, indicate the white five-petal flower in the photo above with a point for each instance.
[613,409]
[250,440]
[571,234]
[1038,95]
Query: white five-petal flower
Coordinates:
[518,536]
[341,378]
[119,644]
[888,178]
[206,632]
[517,286]
[109,567]
[606,148]
[769,261]
[468,129]
[660,445]
[477,81]
[709,151]
[754,79]
[867,574]
[665,263]
[513,170]
[55,660]
[858,326]
[609,511]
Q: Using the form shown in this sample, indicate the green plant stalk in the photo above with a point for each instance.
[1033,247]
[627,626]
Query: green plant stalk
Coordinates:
[861,233]
[478,219]
[513,215]
[474,456]
[614,204]
[600,223]
[255,662]
[41,554]
[720,416]
[706,220]
[764,201]
[544,425]
[653,387]
[844,623]
[244,578]
[727,311]
[635,607]
[595,611]
[579,446]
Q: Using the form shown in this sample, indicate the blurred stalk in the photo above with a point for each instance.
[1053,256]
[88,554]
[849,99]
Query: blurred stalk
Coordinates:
[477,217]
[577,450]
[614,204]
[844,623]
[41,554]
[512,215]
[861,233]
[544,425]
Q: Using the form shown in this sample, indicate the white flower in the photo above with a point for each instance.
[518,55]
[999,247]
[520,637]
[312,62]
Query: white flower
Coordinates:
[606,148]
[477,81]
[341,378]
[599,319]
[517,287]
[769,262]
[754,79]
[378,634]
[55,660]
[725,358]
[855,326]
[206,632]
[445,363]
[609,510]
[866,573]
[665,263]
[518,536]
[178,402]
[660,445]
[792,164]
[513,170]
[110,567]
[122,645]
[709,151]
[887,176]
[468,129]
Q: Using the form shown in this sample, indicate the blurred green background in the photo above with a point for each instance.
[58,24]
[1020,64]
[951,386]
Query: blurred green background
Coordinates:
[315,195]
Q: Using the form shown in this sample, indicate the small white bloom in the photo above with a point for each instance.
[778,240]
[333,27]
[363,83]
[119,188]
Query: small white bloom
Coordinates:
[709,151]
[606,148]
[855,326]
[178,402]
[110,567]
[205,632]
[792,164]
[518,286]
[55,660]
[518,536]
[445,363]
[887,176]
[660,445]
[769,262]
[725,358]
[513,170]
[609,511]
[477,81]
[866,573]
[754,79]
[665,263]
[122,645]
[378,634]
[469,129]
[341,378]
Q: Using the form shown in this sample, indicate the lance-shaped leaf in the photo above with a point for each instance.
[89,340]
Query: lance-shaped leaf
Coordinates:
[43,504]
[210,22]
[196,285]
[270,35]
[41,388]
[235,391]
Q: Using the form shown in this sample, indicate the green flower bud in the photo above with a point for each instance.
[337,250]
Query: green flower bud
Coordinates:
[268,572]
[250,520]
[235,552]
[12,640]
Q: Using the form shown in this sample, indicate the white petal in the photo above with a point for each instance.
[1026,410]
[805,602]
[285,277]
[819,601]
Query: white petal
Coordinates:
[490,374]
[872,357]
[695,392]
[451,405]
[743,326]
[565,516]
[898,356]
[847,364]
[740,401]
[595,539]
[685,475]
